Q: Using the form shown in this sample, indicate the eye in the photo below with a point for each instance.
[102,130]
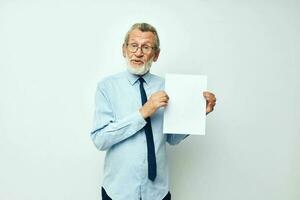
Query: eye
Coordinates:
[146,47]
[134,45]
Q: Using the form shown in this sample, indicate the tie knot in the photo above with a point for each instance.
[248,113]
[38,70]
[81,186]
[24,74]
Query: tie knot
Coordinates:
[141,80]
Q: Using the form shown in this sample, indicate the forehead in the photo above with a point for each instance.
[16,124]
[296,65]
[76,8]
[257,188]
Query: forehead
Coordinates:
[138,36]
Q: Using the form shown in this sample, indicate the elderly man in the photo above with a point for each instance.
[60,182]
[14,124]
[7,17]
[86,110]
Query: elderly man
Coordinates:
[128,123]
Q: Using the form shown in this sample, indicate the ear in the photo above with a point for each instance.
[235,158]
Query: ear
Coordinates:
[124,50]
[156,55]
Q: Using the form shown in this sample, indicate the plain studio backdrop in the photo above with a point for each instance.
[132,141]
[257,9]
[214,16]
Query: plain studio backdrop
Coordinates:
[53,53]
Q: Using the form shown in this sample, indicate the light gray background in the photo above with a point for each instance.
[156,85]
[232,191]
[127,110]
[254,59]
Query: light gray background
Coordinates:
[54,52]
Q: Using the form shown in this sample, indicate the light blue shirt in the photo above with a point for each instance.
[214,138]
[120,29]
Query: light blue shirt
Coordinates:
[118,130]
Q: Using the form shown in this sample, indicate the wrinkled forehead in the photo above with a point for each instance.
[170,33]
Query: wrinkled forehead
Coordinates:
[141,37]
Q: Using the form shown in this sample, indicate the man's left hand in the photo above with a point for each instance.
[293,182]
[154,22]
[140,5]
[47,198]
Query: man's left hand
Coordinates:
[210,101]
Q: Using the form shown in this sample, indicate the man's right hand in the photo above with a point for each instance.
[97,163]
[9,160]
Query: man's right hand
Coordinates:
[155,101]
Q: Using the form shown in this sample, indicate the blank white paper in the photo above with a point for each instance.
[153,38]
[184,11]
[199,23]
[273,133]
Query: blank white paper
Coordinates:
[186,110]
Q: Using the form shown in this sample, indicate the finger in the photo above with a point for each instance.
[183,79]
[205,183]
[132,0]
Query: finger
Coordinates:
[162,92]
[211,98]
[162,104]
[165,94]
[210,101]
[210,105]
[209,110]
[164,98]
[208,94]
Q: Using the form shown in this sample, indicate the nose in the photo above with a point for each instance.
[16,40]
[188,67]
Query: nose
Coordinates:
[139,52]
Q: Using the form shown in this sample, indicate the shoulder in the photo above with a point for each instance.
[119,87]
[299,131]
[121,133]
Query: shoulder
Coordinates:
[158,82]
[111,80]
[157,78]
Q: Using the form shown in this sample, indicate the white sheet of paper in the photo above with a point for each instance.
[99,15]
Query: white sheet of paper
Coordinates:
[186,110]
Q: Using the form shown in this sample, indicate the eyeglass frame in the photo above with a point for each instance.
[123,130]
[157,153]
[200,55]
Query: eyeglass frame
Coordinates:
[140,47]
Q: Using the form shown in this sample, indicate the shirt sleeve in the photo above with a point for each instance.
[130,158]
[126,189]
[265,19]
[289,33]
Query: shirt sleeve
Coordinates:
[107,131]
[174,139]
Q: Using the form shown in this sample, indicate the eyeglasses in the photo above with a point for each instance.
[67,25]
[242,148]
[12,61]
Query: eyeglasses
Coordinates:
[133,47]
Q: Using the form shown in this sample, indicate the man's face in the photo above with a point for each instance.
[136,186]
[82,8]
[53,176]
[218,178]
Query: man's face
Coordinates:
[139,59]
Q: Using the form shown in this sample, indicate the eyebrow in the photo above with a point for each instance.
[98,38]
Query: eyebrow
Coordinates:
[135,42]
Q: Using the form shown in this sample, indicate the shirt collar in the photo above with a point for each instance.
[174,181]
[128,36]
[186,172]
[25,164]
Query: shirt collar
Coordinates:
[132,78]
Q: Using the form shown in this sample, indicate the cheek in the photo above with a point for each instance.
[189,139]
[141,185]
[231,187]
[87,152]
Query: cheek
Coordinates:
[149,57]
[129,54]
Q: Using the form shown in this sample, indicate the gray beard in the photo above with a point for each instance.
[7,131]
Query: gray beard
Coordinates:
[138,70]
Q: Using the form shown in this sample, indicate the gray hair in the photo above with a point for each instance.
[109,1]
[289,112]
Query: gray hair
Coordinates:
[144,27]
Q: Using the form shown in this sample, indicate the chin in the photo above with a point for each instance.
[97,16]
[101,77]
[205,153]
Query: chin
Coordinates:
[136,66]
[138,69]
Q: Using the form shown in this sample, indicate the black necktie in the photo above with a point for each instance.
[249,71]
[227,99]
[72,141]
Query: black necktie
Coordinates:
[149,137]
